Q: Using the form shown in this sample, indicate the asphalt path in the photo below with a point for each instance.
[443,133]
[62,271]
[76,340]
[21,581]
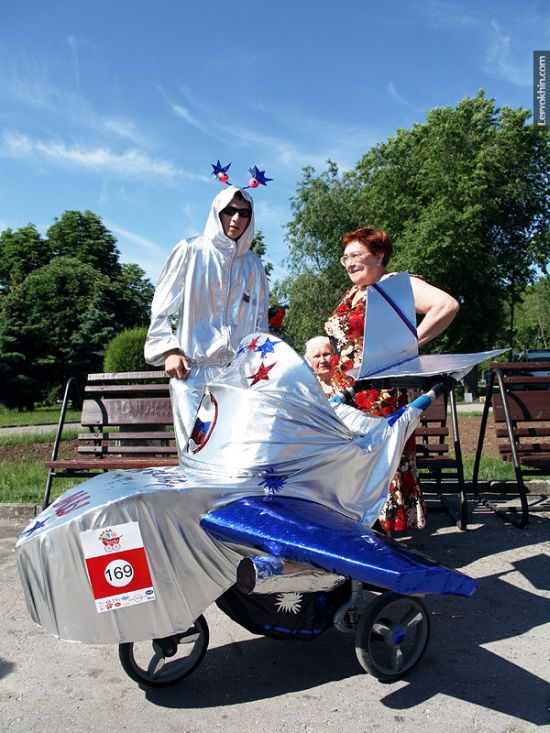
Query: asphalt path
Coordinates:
[486,668]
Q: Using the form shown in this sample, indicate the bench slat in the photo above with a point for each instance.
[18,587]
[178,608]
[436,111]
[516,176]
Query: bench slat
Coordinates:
[126,388]
[427,448]
[137,411]
[131,449]
[103,464]
[526,406]
[536,432]
[128,435]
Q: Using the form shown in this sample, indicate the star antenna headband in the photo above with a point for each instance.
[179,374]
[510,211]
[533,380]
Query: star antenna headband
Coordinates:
[258,177]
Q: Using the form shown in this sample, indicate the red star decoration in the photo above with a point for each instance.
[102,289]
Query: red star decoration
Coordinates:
[252,345]
[262,373]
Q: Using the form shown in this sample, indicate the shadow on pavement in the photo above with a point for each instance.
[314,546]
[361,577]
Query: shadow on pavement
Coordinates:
[459,662]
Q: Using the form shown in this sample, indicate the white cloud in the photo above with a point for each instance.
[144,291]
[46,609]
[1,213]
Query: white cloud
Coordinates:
[72,42]
[34,90]
[443,14]
[124,129]
[499,63]
[130,163]
[184,113]
[136,239]
[394,94]
[325,139]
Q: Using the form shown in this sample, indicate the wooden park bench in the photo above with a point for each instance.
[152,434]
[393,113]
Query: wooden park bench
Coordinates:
[128,416]
[519,393]
[435,460]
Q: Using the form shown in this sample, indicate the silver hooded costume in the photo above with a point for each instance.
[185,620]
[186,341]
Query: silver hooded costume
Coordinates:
[218,289]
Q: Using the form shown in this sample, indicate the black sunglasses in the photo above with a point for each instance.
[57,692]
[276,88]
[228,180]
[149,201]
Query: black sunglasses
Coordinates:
[232,210]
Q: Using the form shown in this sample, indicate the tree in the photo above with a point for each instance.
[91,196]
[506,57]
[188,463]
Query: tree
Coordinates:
[55,324]
[21,252]
[134,294]
[63,299]
[84,236]
[533,317]
[464,197]
[259,247]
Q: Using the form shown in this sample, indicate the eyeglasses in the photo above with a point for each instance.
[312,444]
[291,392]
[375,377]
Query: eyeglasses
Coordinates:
[352,257]
[232,210]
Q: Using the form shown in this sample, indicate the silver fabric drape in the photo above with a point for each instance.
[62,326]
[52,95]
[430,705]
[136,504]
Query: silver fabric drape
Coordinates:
[264,427]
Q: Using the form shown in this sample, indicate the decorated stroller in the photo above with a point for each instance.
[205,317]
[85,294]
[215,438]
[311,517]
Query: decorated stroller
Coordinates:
[268,515]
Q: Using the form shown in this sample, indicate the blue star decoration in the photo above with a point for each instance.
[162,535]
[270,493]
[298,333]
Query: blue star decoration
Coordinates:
[37,525]
[268,347]
[219,168]
[273,484]
[259,175]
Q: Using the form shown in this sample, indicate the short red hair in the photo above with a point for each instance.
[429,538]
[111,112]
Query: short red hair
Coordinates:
[375,240]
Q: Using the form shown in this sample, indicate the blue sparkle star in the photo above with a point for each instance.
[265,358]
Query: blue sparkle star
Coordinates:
[219,168]
[267,347]
[273,484]
[259,175]
[37,525]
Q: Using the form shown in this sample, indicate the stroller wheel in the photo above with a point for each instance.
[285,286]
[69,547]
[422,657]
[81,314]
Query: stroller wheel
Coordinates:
[392,635]
[162,662]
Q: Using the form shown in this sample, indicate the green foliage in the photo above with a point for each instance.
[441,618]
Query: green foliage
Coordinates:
[532,319]
[125,352]
[84,236]
[134,295]
[62,300]
[259,247]
[313,297]
[54,325]
[21,252]
[464,198]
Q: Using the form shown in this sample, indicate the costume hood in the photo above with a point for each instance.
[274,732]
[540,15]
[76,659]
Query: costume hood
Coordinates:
[214,230]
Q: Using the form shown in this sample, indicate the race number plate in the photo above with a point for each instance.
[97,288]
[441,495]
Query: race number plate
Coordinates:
[117,566]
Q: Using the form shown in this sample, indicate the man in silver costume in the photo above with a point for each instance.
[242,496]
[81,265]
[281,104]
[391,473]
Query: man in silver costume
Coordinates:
[218,289]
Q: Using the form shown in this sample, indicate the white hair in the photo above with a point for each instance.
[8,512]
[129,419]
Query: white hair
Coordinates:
[313,342]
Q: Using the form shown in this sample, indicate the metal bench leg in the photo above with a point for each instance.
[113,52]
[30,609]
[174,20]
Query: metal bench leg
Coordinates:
[71,383]
[462,521]
[510,515]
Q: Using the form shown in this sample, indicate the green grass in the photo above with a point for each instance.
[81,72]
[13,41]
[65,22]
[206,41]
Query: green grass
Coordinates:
[32,438]
[40,416]
[491,468]
[22,483]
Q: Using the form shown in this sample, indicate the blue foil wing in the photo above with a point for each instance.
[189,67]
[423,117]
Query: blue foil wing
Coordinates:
[302,531]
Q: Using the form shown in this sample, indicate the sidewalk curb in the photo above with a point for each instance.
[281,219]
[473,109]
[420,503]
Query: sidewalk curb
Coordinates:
[21,512]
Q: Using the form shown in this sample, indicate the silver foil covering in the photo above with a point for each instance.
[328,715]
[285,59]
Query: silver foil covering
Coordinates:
[391,349]
[261,574]
[264,427]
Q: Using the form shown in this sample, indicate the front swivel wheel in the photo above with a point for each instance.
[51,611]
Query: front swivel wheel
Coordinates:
[163,662]
[392,635]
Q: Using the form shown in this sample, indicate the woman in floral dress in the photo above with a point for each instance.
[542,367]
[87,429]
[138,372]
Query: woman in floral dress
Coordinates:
[366,254]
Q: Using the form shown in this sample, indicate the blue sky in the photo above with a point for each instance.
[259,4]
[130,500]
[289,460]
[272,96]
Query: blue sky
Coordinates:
[121,107]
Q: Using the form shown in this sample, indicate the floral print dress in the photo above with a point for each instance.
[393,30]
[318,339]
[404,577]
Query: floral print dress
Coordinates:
[404,507]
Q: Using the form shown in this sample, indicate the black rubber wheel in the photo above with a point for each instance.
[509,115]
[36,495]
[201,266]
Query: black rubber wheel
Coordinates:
[163,662]
[392,635]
